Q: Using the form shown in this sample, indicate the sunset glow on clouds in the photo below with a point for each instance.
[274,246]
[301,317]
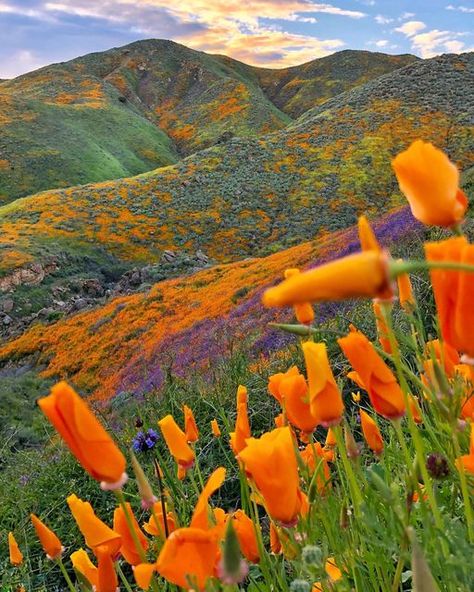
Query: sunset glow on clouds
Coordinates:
[272,33]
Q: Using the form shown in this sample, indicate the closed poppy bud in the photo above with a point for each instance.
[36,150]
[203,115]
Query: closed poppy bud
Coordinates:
[330,439]
[352,447]
[84,435]
[263,458]
[371,432]
[245,530]
[384,392]
[275,544]
[177,442]
[367,238]
[405,291]
[128,549]
[294,392]
[430,182]
[107,580]
[144,487]
[189,555]
[98,536]
[304,312]
[156,523]
[360,275]
[382,328]
[324,396]
[16,556]
[415,409]
[215,428]
[242,425]
[190,427]
[49,541]
[81,563]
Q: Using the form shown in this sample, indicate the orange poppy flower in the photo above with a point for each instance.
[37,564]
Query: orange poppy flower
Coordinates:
[465,372]
[371,432]
[274,382]
[355,377]
[266,457]
[331,441]
[245,531]
[304,311]
[454,292]
[280,420]
[367,238]
[200,517]
[294,395]
[216,431]
[190,426]
[189,557]
[415,409]
[324,396]
[444,353]
[107,580]
[360,275]
[314,456]
[128,549]
[177,442]
[405,291]
[81,563]
[49,541]
[84,435]
[430,182]
[275,544]
[468,459]
[242,425]
[156,523]
[382,328]
[98,536]
[16,556]
[384,392]
[143,574]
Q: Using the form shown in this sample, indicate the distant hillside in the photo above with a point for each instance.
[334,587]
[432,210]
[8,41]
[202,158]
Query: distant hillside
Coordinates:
[131,344]
[297,89]
[246,198]
[135,108]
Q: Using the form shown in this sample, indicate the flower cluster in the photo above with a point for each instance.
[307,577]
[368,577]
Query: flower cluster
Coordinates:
[415,396]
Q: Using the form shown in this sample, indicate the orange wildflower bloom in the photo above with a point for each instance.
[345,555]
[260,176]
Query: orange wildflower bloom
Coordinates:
[355,276]
[190,426]
[292,392]
[415,409]
[216,431]
[128,549]
[280,420]
[156,523]
[368,240]
[304,311]
[81,563]
[384,392]
[189,555]
[245,531]
[266,457]
[444,353]
[466,373]
[371,432]
[275,544]
[242,425]
[200,517]
[143,573]
[355,377]
[49,541]
[454,292]
[430,182]
[382,328]
[324,396]
[98,536]
[468,459]
[16,556]
[405,291]
[315,457]
[177,442]
[331,441]
[274,382]
[107,580]
[333,572]
[84,435]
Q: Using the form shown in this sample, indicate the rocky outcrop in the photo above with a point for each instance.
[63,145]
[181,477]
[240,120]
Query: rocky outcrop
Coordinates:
[30,275]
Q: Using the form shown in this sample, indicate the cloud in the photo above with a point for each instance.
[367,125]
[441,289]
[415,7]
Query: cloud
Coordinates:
[381,43]
[234,27]
[383,20]
[411,28]
[21,61]
[460,8]
[406,15]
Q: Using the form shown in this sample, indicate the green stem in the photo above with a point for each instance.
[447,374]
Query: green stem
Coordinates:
[123,578]
[396,268]
[353,486]
[71,586]
[464,489]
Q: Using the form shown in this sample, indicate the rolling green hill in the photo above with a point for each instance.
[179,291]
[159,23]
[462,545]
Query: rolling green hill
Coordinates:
[248,197]
[132,109]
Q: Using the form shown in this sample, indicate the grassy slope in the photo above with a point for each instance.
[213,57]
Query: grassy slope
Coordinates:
[255,196]
[131,109]
[132,342]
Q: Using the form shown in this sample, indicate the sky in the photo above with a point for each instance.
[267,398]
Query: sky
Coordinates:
[269,33]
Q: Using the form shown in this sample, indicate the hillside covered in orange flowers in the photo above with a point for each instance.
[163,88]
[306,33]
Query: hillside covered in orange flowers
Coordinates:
[132,109]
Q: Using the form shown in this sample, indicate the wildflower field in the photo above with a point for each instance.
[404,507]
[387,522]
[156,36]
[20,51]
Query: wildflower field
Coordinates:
[341,461]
